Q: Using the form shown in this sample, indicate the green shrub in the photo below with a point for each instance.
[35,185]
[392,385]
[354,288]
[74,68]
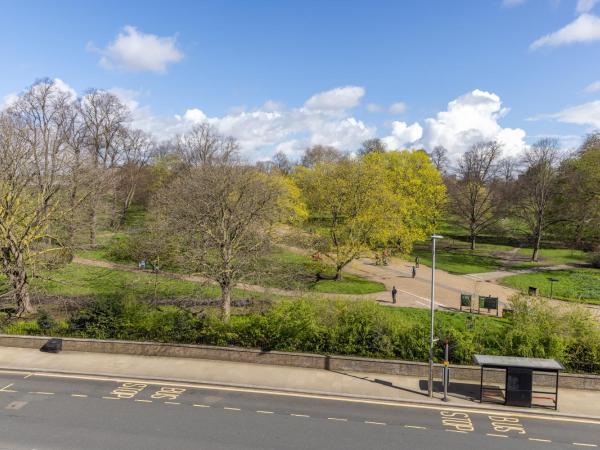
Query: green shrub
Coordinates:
[45,321]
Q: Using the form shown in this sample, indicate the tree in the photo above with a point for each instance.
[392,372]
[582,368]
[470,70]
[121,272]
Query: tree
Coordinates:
[351,202]
[579,194]
[223,214]
[374,145]
[104,117]
[282,163]
[439,158]
[537,187]
[473,193]
[35,160]
[203,145]
[320,154]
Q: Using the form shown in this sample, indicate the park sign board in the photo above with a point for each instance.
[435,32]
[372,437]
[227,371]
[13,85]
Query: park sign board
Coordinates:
[465,300]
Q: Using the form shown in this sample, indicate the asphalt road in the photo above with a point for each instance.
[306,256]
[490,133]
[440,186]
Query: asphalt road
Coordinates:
[44,411]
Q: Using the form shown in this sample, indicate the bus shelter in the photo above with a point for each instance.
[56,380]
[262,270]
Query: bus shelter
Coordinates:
[519,389]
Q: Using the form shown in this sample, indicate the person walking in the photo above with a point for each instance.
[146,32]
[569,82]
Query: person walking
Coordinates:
[394,294]
[414,271]
[417,261]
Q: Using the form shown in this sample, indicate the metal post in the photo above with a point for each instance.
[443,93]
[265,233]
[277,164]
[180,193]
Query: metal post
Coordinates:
[446,372]
[430,385]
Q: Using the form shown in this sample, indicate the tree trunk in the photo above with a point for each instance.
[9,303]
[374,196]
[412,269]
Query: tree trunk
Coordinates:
[338,273]
[472,238]
[93,224]
[225,302]
[14,266]
[536,246]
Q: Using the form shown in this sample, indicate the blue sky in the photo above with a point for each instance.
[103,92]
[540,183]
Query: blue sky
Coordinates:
[515,70]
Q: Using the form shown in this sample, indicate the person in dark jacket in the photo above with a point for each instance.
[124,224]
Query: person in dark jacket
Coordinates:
[394,294]
[417,261]
[414,271]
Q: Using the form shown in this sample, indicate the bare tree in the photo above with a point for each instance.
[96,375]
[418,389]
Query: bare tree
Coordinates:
[374,145]
[34,162]
[104,116]
[537,187]
[320,154]
[282,163]
[223,214]
[472,193]
[507,168]
[439,158]
[203,145]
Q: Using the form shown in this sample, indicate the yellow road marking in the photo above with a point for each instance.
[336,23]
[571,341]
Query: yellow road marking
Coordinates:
[142,401]
[317,396]
[581,444]
[231,409]
[496,435]
[374,423]
[338,419]
[41,393]
[540,440]
[172,403]
[299,415]
[79,395]
[264,412]
[5,388]
[201,406]
[415,427]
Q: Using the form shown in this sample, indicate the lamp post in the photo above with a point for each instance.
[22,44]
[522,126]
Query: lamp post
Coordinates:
[552,281]
[434,237]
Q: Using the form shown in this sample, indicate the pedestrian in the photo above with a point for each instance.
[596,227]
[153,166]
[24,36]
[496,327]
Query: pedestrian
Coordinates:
[417,261]
[394,293]
[414,271]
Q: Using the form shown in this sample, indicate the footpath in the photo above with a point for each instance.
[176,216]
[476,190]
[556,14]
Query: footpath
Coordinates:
[577,403]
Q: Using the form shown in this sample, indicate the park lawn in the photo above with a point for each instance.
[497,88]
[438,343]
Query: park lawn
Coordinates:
[288,270]
[554,256]
[582,285]
[459,261]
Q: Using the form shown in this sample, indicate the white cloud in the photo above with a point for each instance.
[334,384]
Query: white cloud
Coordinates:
[471,118]
[594,87]
[127,96]
[586,28]
[374,108]
[135,51]
[338,99]
[397,108]
[403,135]
[585,114]
[584,6]
[272,105]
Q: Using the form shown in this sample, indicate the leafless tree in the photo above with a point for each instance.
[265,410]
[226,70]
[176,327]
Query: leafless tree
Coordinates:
[374,145]
[104,117]
[202,145]
[320,154]
[439,158]
[223,214]
[537,187]
[35,158]
[472,192]
[282,163]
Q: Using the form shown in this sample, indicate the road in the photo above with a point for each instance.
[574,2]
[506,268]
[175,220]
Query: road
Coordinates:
[53,411]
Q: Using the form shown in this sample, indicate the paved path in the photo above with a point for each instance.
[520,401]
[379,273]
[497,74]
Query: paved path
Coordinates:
[136,411]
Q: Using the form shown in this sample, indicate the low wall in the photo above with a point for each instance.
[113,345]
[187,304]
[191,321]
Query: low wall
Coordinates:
[307,360]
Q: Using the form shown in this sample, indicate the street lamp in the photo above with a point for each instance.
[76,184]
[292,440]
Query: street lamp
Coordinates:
[552,280]
[434,237]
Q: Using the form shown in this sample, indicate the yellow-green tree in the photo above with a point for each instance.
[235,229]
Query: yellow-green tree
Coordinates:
[380,200]
[417,194]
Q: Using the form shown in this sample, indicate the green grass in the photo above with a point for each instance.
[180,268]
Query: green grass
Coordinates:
[555,256]
[349,284]
[459,261]
[574,284]
[456,320]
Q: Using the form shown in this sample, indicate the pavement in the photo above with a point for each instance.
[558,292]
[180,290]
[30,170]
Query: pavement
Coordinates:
[136,407]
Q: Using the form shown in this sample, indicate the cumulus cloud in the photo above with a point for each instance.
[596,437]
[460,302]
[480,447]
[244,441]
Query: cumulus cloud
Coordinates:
[135,51]
[585,114]
[594,87]
[584,6]
[471,118]
[403,135]
[586,28]
[397,108]
[338,99]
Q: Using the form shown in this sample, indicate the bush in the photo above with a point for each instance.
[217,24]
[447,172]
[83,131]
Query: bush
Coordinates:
[45,321]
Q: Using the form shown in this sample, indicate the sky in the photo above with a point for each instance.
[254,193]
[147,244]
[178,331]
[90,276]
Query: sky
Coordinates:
[284,75]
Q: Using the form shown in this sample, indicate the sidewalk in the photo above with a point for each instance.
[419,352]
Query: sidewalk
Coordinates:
[315,381]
